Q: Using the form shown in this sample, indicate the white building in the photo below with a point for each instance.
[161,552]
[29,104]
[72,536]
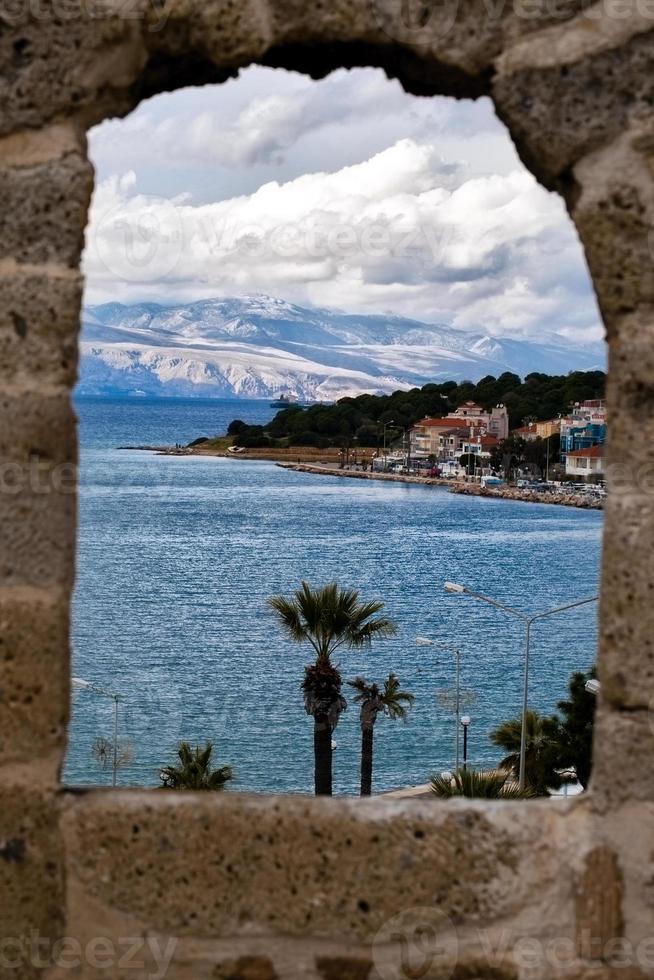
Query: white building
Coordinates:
[584,463]
[495,422]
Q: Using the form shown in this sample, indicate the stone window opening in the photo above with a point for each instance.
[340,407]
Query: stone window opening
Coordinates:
[140,248]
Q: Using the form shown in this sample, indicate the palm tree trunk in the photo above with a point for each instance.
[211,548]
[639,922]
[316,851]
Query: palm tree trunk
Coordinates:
[322,749]
[367,733]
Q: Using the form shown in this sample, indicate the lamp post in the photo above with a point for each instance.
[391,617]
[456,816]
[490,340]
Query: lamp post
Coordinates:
[423,641]
[593,686]
[528,621]
[386,425]
[80,683]
[465,721]
[400,428]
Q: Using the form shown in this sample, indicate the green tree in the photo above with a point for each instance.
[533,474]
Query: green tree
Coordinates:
[509,455]
[575,742]
[389,700]
[327,618]
[194,770]
[539,396]
[484,785]
[542,751]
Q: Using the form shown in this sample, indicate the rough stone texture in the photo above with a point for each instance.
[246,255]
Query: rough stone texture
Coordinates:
[37,503]
[246,968]
[627,645]
[31,879]
[622,757]
[48,205]
[562,113]
[304,872]
[34,678]
[294,888]
[39,319]
[598,899]
[343,968]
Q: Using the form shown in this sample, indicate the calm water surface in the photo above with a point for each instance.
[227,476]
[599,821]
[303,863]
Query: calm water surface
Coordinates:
[177,556]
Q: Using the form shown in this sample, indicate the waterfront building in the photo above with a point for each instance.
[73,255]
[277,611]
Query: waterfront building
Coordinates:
[495,422]
[538,430]
[548,428]
[584,428]
[585,463]
[445,437]
[528,432]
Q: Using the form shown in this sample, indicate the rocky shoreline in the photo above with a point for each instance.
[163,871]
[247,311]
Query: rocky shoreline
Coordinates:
[471,489]
[579,500]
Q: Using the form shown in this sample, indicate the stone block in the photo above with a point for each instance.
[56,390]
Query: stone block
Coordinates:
[34,675]
[39,317]
[44,210]
[250,866]
[246,968]
[31,881]
[37,489]
[560,113]
[623,754]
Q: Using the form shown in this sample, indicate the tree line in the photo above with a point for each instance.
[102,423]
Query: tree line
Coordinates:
[538,396]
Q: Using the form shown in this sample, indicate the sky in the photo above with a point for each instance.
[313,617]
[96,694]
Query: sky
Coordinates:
[345,193]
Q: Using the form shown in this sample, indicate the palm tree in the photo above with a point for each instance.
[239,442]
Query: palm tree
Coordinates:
[327,618]
[541,750]
[194,771]
[389,700]
[479,785]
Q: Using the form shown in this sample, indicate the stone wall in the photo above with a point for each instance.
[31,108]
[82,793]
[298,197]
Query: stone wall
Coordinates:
[136,884]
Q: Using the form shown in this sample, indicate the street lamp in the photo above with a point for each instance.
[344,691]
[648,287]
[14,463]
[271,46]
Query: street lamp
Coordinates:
[423,641]
[593,686]
[386,425]
[465,721]
[400,428]
[80,683]
[455,588]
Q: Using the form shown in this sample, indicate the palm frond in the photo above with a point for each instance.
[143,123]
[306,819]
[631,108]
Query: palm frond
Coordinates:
[194,771]
[396,701]
[329,617]
[365,691]
[478,785]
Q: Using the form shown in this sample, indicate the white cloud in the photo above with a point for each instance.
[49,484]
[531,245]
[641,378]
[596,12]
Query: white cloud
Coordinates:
[401,231]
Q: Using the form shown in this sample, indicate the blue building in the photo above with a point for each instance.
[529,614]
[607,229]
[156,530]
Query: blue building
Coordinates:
[584,428]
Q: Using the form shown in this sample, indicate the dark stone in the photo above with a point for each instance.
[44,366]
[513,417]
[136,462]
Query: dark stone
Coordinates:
[246,968]
[20,324]
[343,968]
[13,850]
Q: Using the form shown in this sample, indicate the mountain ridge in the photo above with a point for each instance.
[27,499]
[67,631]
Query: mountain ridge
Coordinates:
[257,346]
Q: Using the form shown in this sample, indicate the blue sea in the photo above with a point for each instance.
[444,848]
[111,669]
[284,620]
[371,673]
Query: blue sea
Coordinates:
[177,556]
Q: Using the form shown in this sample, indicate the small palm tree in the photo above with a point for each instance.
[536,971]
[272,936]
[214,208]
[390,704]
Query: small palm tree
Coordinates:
[194,771]
[389,700]
[327,618]
[541,750]
[478,785]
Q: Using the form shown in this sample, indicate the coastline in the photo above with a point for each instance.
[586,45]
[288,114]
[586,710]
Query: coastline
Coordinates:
[325,463]
[469,489]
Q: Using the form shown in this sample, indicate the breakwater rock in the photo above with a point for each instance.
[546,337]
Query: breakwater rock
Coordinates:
[583,500]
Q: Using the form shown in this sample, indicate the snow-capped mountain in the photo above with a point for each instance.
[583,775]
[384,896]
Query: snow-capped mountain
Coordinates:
[261,347]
